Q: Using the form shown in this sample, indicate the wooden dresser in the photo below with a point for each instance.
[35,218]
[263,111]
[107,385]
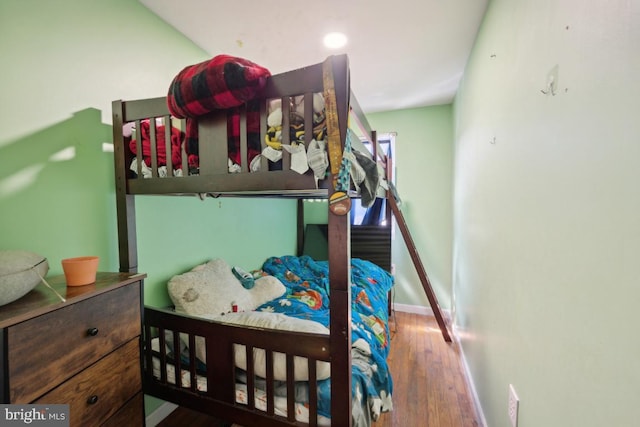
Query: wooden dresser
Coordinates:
[84,352]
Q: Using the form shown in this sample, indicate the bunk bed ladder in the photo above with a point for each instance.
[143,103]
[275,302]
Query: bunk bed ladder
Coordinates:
[393,208]
[415,257]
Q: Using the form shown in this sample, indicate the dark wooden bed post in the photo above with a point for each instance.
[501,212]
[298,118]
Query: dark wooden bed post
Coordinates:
[300,226]
[340,267]
[125,203]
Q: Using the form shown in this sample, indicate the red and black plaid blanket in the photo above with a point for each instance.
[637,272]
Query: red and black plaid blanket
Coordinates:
[145,138]
[223,82]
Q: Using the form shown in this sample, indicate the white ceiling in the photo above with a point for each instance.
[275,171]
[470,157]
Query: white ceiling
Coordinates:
[402,53]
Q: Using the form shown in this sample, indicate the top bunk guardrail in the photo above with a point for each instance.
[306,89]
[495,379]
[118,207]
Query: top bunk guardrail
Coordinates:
[156,153]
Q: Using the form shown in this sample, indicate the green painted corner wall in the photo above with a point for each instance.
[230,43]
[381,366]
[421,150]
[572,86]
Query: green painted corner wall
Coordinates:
[546,208]
[424,179]
[64,62]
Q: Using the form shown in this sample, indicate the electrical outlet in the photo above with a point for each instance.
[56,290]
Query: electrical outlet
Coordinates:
[513,406]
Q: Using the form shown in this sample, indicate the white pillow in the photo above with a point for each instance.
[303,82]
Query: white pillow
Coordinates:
[266,288]
[20,272]
[210,290]
[280,322]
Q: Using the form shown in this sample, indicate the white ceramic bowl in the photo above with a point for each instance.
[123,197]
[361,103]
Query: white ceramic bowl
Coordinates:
[20,272]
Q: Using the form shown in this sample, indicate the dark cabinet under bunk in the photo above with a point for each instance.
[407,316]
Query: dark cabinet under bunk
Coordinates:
[368,242]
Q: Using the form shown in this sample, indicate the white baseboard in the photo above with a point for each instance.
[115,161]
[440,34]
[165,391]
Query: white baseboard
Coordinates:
[469,379]
[414,309]
[161,412]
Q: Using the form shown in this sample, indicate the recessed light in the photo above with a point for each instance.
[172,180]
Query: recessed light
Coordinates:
[335,40]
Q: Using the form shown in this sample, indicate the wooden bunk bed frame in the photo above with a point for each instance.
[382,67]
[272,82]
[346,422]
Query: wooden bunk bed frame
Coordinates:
[332,79]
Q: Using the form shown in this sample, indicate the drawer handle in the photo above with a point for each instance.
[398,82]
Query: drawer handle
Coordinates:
[92,399]
[92,332]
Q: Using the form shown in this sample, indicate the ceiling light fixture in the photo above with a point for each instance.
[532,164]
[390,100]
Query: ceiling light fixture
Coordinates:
[335,40]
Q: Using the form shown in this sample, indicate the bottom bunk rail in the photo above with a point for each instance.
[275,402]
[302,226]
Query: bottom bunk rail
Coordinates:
[242,374]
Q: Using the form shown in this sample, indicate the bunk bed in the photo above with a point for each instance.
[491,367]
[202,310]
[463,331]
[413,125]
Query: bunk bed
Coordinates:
[193,360]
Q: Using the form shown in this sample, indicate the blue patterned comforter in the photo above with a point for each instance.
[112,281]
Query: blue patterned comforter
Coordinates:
[307,297]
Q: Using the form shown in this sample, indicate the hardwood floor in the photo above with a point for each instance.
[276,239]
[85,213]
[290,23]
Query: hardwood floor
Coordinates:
[430,388]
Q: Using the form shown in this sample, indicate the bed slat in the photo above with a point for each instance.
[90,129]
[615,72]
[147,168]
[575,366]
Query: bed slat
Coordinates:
[177,359]
[213,155]
[193,363]
[183,151]
[163,356]
[148,354]
[153,138]
[286,136]
[313,393]
[264,163]
[168,149]
[291,413]
[270,387]
[244,157]
[308,118]
[251,399]
[139,156]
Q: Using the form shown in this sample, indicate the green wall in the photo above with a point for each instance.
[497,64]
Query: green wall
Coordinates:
[242,231]
[424,176]
[547,208]
[56,191]
[63,64]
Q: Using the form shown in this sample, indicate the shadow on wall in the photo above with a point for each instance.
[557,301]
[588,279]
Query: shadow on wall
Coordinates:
[57,194]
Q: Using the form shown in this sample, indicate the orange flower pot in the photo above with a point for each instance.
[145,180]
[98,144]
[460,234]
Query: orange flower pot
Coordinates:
[81,270]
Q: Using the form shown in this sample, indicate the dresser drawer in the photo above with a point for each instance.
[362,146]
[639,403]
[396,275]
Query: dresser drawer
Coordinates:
[48,349]
[98,392]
